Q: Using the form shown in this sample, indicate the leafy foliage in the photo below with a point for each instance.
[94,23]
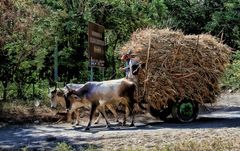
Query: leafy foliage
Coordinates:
[231,77]
[62,146]
[227,22]
[30,31]
[20,59]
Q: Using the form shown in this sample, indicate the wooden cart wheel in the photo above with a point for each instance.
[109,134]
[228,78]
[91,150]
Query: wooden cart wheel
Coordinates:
[161,114]
[185,110]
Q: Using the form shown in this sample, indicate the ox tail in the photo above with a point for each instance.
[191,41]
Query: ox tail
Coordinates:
[132,91]
[134,96]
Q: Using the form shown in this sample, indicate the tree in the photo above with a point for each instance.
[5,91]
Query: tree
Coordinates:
[18,53]
[121,18]
[226,21]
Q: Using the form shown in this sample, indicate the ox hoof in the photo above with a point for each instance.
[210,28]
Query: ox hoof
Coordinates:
[87,129]
[96,122]
[124,124]
[132,125]
[109,127]
[119,123]
[77,124]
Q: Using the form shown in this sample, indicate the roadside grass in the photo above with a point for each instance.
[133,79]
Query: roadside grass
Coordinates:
[21,107]
[212,144]
[19,111]
[203,144]
[25,149]
[63,146]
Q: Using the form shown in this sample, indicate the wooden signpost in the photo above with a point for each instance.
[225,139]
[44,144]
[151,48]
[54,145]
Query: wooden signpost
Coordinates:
[96,46]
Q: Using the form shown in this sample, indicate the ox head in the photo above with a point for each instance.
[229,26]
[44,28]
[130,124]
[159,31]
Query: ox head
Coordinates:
[71,95]
[57,97]
[52,98]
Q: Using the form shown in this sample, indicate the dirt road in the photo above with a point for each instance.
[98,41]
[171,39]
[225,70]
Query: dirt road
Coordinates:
[218,124]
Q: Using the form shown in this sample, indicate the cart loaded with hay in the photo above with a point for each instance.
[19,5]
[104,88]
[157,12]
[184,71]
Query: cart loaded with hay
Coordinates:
[178,71]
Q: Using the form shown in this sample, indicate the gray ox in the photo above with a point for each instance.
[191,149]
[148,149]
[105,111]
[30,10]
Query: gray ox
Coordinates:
[99,94]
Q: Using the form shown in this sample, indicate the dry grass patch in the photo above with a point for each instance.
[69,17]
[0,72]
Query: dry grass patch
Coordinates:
[212,144]
[19,112]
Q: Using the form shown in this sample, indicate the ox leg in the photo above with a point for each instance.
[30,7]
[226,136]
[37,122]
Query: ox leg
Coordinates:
[104,116]
[77,117]
[93,109]
[98,118]
[112,109]
[102,111]
[133,118]
[69,116]
[126,105]
[126,115]
[132,114]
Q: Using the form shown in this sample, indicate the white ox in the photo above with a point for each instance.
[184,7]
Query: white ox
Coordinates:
[99,94]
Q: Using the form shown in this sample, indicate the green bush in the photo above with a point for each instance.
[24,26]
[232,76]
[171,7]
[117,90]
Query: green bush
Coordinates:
[62,146]
[231,77]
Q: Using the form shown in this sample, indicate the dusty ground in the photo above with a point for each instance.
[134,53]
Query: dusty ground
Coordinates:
[217,128]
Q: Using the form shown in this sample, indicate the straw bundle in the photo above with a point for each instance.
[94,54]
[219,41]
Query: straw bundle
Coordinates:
[178,66]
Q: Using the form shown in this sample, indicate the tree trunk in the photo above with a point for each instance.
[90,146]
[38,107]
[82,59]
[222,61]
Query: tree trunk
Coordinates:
[5,84]
[19,90]
[113,60]
[33,91]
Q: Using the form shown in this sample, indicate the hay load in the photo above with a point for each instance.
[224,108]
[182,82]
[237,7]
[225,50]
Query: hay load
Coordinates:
[178,66]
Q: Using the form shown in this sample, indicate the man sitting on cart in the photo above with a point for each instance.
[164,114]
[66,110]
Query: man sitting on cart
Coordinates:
[131,65]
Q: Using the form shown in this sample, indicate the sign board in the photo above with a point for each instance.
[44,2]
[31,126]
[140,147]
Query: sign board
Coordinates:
[96,45]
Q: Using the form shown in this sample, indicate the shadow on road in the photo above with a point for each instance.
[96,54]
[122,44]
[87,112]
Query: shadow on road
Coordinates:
[47,136]
[201,123]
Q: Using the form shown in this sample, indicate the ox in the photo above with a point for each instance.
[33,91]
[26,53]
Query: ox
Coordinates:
[57,95]
[98,94]
[72,105]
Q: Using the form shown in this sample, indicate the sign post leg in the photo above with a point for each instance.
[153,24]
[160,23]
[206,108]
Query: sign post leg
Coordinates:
[91,75]
[91,70]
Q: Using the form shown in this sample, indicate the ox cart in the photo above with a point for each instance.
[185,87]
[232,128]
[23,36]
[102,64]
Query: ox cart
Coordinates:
[180,71]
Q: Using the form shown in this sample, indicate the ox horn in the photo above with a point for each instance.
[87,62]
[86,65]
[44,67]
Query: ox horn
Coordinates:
[69,89]
[55,86]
